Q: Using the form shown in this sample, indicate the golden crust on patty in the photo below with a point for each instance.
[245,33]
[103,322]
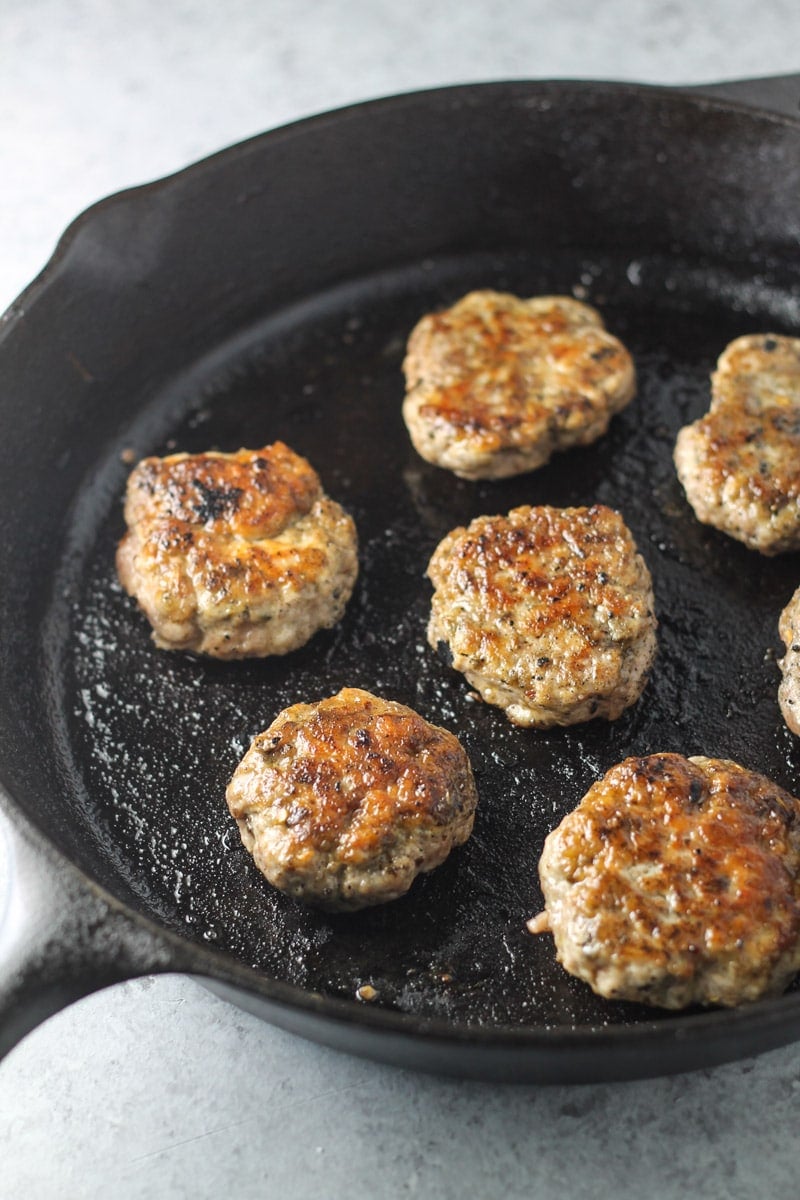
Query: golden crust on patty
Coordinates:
[235,555]
[677,881]
[344,802]
[548,612]
[740,464]
[496,384]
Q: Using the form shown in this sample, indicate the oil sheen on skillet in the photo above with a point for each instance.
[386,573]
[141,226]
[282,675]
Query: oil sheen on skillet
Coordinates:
[154,737]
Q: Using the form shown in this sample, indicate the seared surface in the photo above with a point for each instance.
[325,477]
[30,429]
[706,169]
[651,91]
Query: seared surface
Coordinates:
[548,612]
[344,802]
[740,464]
[677,881]
[235,555]
[496,384]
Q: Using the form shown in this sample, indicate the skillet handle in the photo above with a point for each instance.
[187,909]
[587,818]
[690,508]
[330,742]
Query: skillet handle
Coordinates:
[775,93]
[61,936]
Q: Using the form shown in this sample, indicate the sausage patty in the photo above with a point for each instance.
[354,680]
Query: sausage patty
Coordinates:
[677,881]
[789,689]
[235,555]
[496,384]
[740,464]
[344,802]
[548,612]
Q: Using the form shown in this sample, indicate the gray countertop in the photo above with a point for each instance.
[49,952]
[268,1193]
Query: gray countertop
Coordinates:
[155,1087]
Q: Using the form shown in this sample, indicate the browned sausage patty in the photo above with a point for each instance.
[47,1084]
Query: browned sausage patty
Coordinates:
[789,689]
[344,802]
[496,384]
[547,611]
[740,464]
[235,555]
[677,881]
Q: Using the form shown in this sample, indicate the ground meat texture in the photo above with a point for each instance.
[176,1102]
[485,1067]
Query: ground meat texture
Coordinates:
[496,384]
[548,612]
[344,802]
[740,464]
[675,882]
[789,689]
[235,555]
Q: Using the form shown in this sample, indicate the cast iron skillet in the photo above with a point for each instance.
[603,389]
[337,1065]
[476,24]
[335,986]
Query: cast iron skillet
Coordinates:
[267,292]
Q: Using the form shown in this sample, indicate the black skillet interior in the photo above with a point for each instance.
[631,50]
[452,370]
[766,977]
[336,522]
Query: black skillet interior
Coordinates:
[155,737]
[557,189]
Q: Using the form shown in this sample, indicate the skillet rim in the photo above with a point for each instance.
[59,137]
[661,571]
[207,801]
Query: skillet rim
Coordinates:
[696,93]
[217,968]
